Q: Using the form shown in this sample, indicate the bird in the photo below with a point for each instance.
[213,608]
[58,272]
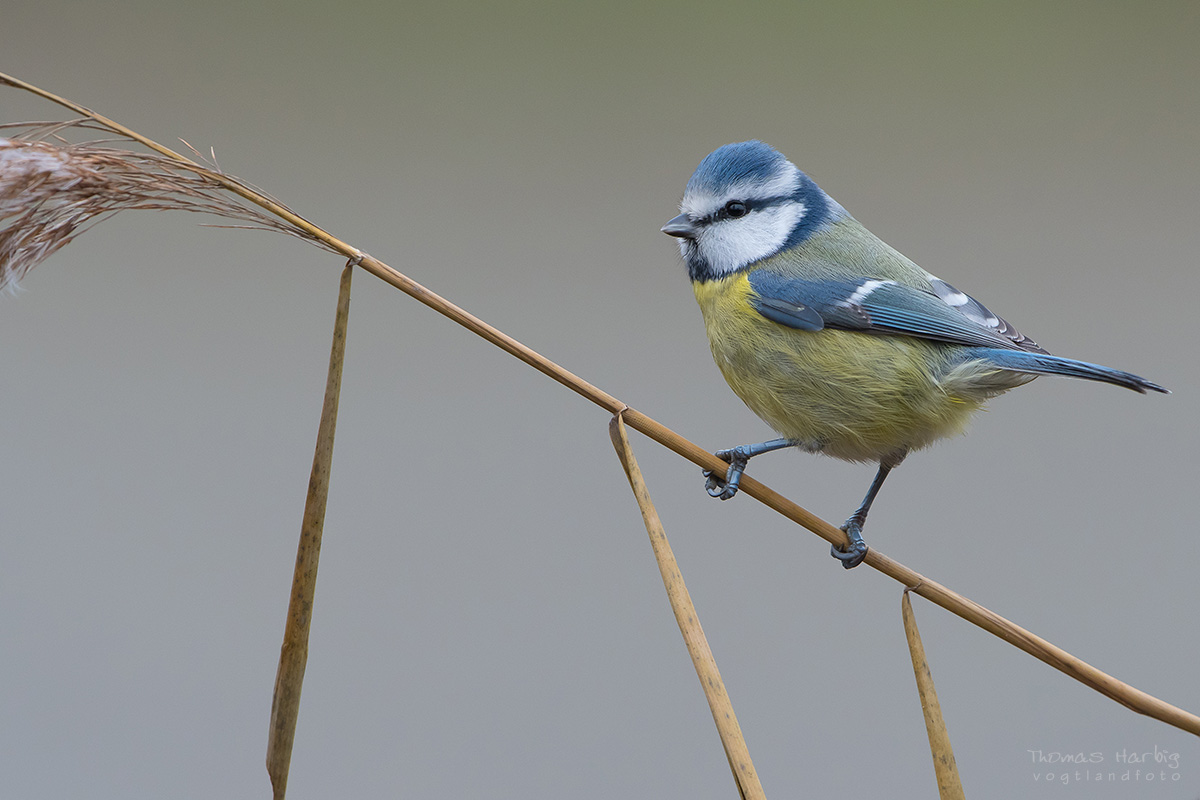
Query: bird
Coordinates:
[838,342]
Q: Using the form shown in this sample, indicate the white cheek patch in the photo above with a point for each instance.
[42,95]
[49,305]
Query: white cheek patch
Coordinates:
[731,244]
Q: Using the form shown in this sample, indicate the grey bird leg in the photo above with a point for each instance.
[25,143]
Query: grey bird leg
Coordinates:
[727,486]
[854,555]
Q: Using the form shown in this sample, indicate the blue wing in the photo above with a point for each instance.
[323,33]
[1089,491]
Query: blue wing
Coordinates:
[943,314]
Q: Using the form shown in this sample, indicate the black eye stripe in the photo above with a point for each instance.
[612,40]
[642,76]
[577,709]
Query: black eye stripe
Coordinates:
[750,205]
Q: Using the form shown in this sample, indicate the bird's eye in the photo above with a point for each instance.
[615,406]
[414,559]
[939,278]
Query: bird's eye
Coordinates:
[736,208]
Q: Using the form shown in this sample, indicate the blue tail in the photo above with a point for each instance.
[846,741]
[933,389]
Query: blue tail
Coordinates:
[1045,364]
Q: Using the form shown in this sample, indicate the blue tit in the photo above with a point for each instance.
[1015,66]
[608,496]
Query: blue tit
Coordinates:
[837,341]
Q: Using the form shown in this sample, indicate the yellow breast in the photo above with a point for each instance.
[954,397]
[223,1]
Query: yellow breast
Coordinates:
[852,395]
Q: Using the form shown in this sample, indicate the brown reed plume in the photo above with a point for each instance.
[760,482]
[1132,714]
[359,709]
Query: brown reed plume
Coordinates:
[52,190]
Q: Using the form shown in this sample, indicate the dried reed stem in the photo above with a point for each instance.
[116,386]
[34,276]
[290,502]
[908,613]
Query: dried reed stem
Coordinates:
[689,623]
[965,608]
[944,766]
[293,656]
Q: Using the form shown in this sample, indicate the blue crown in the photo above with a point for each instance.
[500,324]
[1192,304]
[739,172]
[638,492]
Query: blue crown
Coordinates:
[734,163]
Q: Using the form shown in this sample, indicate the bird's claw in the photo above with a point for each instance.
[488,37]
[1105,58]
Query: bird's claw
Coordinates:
[714,484]
[850,558]
[723,487]
[854,554]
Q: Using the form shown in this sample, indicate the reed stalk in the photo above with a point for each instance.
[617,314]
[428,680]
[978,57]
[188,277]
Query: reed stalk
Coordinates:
[293,655]
[944,767]
[688,620]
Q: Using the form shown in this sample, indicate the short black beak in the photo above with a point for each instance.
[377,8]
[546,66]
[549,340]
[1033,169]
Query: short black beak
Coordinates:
[680,227]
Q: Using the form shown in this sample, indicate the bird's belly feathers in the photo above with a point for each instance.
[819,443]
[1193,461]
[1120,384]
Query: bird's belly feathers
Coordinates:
[852,395]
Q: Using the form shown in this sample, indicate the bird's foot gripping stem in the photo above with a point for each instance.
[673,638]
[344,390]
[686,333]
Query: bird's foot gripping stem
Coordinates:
[853,555]
[723,487]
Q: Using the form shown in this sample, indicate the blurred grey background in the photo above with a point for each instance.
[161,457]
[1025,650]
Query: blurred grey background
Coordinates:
[489,621]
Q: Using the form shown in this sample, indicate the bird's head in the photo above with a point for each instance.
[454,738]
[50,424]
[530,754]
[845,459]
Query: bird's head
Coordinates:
[745,202]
